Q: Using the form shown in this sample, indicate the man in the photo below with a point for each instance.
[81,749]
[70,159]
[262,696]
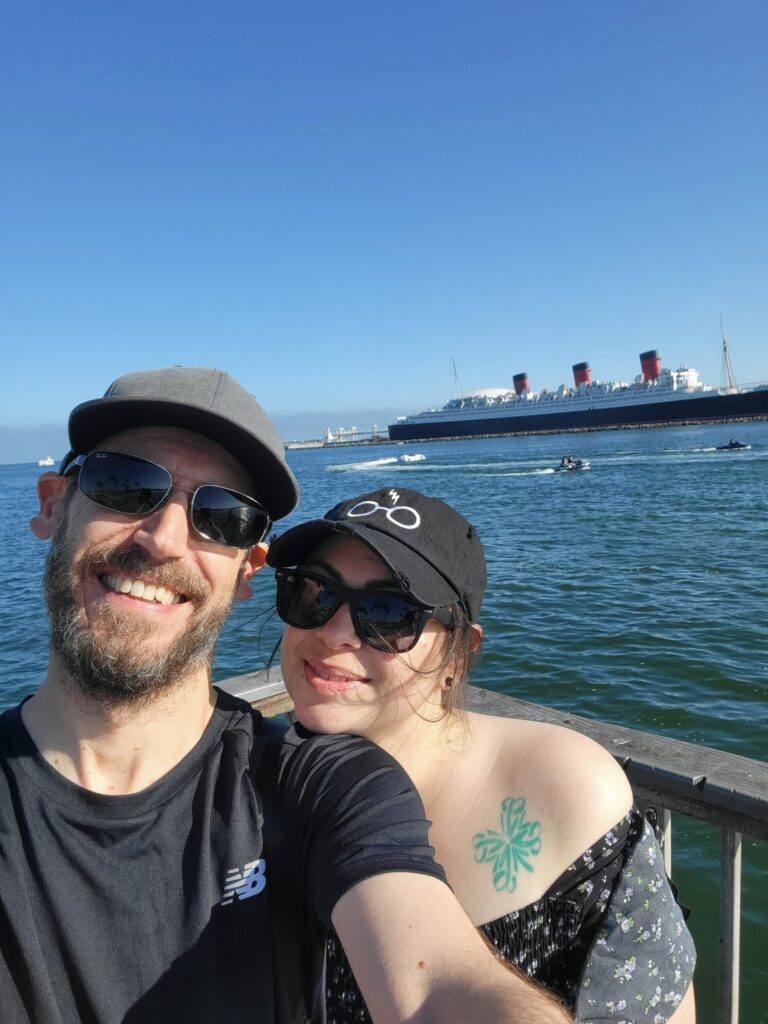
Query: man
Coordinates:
[144,875]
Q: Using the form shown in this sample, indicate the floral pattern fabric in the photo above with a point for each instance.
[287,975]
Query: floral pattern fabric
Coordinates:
[642,961]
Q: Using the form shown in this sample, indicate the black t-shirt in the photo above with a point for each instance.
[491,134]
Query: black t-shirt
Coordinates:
[178,903]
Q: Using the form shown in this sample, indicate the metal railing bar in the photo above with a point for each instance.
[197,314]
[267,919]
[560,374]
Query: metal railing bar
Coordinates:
[730,926]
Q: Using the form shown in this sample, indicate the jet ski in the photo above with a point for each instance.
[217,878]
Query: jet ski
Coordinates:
[569,464]
[733,446]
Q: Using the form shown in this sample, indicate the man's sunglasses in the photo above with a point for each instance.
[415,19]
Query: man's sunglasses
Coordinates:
[135,487]
[385,620]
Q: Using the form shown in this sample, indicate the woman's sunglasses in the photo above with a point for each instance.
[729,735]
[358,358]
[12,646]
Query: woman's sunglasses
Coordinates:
[135,487]
[385,620]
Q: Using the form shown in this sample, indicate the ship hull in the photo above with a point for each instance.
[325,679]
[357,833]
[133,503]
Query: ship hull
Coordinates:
[472,423]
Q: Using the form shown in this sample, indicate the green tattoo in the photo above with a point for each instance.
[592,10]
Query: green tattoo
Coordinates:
[510,849]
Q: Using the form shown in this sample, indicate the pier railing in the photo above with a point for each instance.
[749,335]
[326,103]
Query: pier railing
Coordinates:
[724,790]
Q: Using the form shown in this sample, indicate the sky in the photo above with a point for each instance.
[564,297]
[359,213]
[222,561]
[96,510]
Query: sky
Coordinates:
[337,202]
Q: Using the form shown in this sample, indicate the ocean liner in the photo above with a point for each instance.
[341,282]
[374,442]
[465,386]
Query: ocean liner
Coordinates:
[657,396]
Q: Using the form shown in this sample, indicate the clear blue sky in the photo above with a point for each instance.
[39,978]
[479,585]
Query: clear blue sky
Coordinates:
[332,200]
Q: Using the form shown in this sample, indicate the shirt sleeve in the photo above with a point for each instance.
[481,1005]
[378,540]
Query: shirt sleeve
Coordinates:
[350,811]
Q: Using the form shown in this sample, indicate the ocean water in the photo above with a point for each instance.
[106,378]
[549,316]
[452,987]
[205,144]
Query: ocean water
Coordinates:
[634,592]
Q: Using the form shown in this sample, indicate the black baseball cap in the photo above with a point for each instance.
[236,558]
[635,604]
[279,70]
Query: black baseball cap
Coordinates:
[430,549]
[207,401]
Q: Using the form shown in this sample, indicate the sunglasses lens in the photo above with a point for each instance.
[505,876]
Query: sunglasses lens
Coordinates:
[228,517]
[384,621]
[304,601]
[388,622]
[123,483]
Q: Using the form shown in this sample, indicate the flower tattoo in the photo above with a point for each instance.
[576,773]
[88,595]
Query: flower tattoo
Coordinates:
[510,849]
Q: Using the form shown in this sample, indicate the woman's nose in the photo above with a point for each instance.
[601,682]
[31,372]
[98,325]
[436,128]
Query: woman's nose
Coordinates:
[339,630]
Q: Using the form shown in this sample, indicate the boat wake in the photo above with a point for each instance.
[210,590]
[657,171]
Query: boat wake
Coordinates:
[347,467]
[351,467]
[520,472]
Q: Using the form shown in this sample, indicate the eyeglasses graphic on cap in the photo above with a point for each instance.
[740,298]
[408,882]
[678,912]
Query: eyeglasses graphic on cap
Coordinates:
[136,487]
[385,620]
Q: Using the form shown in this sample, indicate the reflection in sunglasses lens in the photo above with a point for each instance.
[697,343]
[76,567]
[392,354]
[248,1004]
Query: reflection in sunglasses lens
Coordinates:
[388,619]
[123,484]
[223,516]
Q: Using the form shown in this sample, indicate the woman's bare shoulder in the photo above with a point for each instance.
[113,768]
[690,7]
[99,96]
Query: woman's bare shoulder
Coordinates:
[574,784]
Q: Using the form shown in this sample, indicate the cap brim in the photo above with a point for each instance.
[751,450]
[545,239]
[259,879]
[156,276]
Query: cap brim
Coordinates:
[92,422]
[411,572]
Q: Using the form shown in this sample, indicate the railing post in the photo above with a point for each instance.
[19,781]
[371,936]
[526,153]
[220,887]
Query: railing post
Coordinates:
[666,839]
[730,925]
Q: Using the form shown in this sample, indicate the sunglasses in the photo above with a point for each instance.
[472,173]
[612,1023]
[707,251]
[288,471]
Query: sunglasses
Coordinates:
[385,620]
[136,487]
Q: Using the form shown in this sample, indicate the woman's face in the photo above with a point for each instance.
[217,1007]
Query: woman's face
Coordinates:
[340,684]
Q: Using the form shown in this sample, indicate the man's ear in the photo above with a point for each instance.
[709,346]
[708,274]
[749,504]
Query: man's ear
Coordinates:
[50,491]
[475,636]
[253,563]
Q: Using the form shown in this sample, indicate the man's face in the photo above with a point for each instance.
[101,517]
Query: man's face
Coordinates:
[137,603]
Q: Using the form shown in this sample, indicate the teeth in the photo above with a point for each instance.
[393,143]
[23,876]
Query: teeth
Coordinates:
[332,676]
[138,588]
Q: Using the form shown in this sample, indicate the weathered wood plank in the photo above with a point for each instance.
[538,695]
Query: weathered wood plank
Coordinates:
[256,686]
[724,789]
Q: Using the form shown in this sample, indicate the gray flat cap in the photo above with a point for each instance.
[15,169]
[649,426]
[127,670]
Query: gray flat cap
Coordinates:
[207,401]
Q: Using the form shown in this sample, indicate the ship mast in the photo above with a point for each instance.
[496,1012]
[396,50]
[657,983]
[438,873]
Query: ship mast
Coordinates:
[727,378]
[456,382]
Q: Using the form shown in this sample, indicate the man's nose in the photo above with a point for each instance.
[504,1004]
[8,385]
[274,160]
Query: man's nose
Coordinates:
[164,533]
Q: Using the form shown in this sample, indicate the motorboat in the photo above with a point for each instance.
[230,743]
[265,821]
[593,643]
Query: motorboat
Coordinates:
[47,461]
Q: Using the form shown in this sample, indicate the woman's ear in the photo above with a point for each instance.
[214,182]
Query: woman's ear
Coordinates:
[50,491]
[254,561]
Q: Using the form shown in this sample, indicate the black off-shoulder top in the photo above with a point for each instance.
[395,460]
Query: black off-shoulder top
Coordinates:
[548,939]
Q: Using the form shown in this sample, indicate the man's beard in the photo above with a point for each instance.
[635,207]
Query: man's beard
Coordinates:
[113,667]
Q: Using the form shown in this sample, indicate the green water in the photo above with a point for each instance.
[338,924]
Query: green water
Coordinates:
[634,592]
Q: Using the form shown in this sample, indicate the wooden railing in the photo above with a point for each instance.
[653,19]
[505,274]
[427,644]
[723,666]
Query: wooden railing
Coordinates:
[724,790]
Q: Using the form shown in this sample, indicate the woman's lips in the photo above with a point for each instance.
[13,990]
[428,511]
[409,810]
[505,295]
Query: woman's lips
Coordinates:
[329,680]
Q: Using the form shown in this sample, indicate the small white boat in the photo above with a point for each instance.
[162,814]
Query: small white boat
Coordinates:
[47,461]
[413,458]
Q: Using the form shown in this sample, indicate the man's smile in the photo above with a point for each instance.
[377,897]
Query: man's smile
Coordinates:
[145,591]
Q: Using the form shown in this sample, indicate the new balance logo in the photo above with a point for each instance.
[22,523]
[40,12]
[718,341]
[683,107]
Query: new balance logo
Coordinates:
[243,885]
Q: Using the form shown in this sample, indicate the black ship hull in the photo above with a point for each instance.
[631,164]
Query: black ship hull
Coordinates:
[713,407]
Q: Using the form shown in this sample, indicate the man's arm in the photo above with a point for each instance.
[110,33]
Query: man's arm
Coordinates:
[417,957]
[358,841]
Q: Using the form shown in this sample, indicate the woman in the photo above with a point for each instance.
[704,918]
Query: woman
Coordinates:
[533,823]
